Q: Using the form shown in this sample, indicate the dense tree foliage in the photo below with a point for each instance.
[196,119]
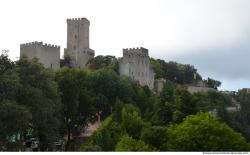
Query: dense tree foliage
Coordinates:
[154,136]
[180,73]
[76,101]
[99,62]
[203,132]
[176,72]
[131,121]
[14,119]
[108,135]
[129,144]
[212,83]
[240,120]
[29,93]
[66,62]
[39,93]
[56,104]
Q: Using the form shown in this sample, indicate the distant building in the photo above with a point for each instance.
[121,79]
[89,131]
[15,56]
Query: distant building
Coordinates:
[78,42]
[47,54]
[135,64]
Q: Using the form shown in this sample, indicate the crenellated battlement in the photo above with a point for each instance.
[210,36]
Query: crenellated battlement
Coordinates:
[85,20]
[135,64]
[138,51]
[39,44]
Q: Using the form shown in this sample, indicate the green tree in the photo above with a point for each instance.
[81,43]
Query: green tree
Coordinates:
[129,144]
[106,86]
[244,99]
[14,120]
[183,101]
[105,82]
[66,62]
[5,63]
[126,90]
[164,107]
[9,80]
[175,72]
[154,135]
[117,113]
[203,132]
[240,121]
[213,83]
[174,105]
[131,121]
[167,92]
[157,67]
[76,101]
[99,62]
[39,93]
[108,135]
[211,100]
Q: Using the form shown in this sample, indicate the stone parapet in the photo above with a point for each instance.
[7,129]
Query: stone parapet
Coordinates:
[38,44]
[74,20]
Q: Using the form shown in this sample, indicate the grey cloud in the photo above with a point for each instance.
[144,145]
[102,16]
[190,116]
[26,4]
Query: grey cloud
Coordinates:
[230,62]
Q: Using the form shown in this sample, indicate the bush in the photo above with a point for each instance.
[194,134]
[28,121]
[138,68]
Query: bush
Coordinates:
[108,135]
[154,136]
[129,144]
[203,132]
[131,121]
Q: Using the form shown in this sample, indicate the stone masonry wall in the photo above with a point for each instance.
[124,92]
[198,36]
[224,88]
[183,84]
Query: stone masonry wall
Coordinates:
[47,54]
[135,64]
[78,41]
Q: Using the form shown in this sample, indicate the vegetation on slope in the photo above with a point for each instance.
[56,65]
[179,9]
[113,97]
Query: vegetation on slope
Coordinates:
[53,105]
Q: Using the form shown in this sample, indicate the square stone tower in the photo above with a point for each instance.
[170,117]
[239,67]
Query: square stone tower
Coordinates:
[135,64]
[47,54]
[78,42]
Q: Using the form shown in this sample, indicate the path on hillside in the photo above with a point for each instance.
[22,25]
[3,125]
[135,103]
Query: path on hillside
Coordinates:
[91,128]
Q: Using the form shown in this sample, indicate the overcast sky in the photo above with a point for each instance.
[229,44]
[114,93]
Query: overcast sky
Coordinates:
[212,35]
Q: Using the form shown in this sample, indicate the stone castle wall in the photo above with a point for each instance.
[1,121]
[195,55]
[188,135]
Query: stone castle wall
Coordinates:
[196,89]
[47,54]
[78,42]
[136,65]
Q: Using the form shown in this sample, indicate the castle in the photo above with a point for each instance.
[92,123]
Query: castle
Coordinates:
[135,62]
[77,47]
[78,42]
[47,54]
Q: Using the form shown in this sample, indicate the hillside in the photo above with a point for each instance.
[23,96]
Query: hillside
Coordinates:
[39,103]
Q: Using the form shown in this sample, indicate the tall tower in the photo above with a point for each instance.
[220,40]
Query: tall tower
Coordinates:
[78,42]
[135,64]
